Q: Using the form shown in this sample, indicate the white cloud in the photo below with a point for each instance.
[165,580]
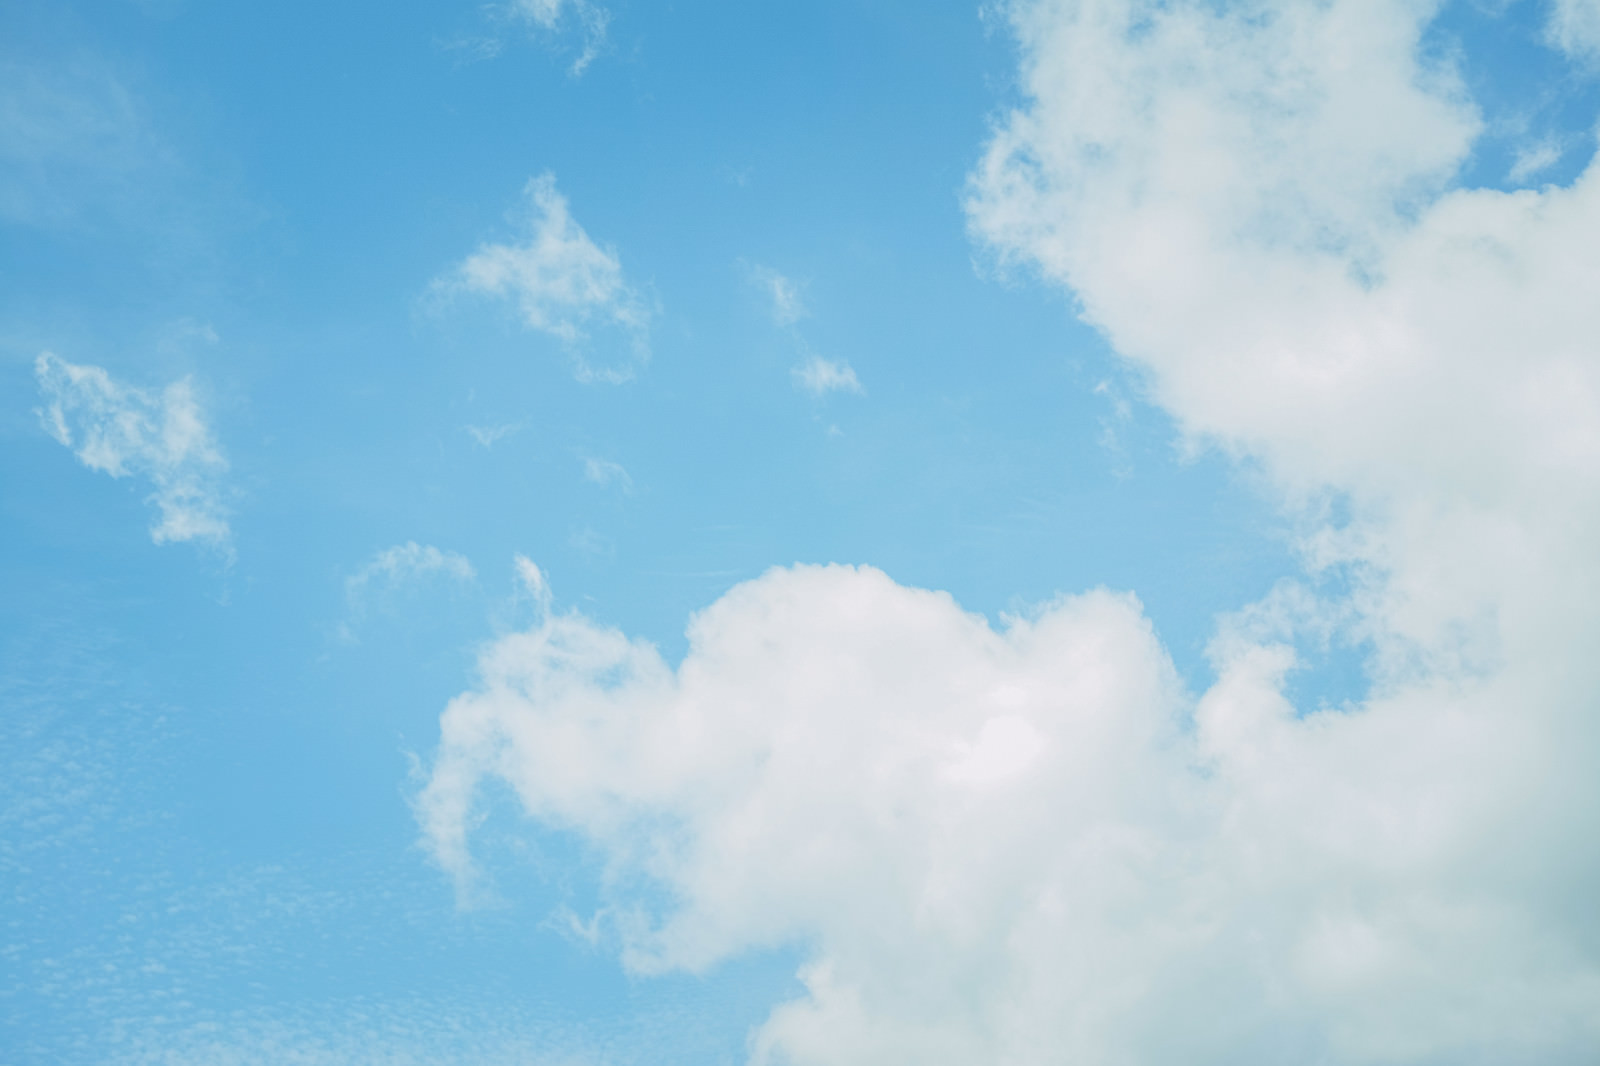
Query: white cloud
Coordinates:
[604,472]
[383,577]
[1574,27]
[551,16]
[820,376]
[815,375]
[159,436]
[1534,159]
[405,563]
[561,281]
[788,306]
[1030,845]
[489,436]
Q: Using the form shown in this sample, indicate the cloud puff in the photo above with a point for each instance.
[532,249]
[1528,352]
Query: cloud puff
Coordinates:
[820,376]
[162,437]
[561,281]
[1029,844]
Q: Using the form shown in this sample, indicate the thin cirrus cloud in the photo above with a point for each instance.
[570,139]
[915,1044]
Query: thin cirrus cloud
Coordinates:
[160,436]
[1029,843]
[561,283]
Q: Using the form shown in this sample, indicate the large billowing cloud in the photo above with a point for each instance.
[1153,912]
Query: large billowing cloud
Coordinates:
[1030,844]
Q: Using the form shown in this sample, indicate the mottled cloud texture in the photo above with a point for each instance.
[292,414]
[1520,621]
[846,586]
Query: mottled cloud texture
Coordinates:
[1028,843]
[161,437]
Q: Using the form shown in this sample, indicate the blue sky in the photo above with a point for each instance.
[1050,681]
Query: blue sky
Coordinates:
[361,361]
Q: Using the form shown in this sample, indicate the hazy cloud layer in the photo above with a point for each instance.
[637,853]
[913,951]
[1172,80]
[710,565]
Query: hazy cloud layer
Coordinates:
[1030,844]
[162,437]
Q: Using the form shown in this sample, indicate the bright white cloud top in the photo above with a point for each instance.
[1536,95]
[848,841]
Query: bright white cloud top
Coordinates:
[561,282]
[158,436]
[1031,845]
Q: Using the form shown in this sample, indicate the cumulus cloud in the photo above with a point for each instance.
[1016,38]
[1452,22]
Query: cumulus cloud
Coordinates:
[820,376]
[562,283]
[1029,843]
[161,437]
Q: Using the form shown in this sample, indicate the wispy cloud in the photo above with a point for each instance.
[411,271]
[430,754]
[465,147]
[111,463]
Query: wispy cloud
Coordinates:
[589,20]
[1574,27]
[785,299]
[820,376]
[383,578]
[786,303]
[405,563]
[161,436]
[1535,159]
[76,142]
[489,436]
[561,282]
[605,472]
